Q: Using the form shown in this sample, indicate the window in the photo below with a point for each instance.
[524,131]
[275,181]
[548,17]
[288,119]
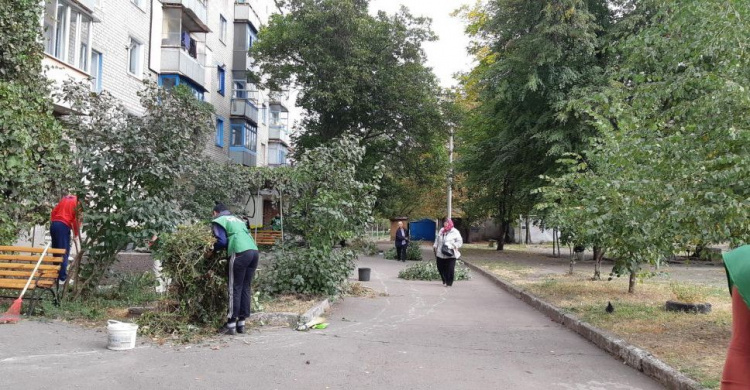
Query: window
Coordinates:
[135,53]
[138,3]
[222,78]
[263,114]
[96,71]
[67,33]
[239,90]
[169,81]
[222,29]
[220,132]
[251,37]
[171,28]
[244,136]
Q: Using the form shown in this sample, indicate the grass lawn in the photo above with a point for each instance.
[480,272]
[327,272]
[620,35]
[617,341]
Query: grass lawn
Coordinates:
[696,344]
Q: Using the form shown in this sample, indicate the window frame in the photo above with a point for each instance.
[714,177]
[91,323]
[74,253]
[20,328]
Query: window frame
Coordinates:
[248,134]
[179,80]
[222,76]
[251,35]
[65,29]
[222,29]
[139,59]
[219,138]
[96,85]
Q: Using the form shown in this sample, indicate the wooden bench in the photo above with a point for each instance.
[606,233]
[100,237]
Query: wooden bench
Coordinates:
[266,237]
[16,265]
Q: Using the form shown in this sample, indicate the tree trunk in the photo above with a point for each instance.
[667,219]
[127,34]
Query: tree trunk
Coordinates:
[554,231]
[631,283]
[572,262]
[501,237]
[527,240]
[598,255]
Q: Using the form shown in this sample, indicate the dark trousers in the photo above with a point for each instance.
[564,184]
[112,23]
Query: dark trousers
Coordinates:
[446,268]
[241,271]
[401,252]
[60,234]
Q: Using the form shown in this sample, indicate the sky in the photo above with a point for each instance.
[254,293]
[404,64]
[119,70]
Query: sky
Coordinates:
[447,55]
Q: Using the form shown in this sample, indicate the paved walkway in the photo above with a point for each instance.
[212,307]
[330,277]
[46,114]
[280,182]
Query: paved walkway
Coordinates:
[420,336]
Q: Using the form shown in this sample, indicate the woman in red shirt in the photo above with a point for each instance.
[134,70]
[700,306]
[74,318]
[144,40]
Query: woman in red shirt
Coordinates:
[66,216]
[736,374]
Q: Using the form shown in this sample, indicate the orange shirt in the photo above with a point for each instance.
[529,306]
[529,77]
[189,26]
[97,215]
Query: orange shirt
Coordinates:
[67,213]
[736,374]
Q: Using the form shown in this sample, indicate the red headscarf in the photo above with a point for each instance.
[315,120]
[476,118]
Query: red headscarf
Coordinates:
[447,228]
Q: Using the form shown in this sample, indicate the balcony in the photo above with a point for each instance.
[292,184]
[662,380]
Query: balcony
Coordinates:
[251,94]
[244,11]
[179,61]
[246,109]
[196,12]
[279,133]
[241,156]
[278,100]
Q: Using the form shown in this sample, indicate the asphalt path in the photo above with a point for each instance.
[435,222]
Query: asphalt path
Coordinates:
[412,335]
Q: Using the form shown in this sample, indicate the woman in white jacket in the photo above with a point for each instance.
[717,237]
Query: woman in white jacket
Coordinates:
[446,262]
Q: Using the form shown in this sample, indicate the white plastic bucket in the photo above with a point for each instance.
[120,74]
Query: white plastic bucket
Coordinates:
[121,335]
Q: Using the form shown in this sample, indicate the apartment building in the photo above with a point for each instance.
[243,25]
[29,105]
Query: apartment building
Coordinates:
[116,45]
[203,44]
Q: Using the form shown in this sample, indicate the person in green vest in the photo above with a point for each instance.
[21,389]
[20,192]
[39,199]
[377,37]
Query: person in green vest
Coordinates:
[276,223]
[231,234]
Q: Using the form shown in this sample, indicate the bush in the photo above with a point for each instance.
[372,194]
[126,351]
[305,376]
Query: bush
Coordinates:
[427,270]
[199,285]
[364,246]
[310,271]
[413,252]
[687,293]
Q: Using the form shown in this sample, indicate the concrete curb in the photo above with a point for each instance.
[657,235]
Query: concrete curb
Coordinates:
[315,311]
[291,320]
[633,356]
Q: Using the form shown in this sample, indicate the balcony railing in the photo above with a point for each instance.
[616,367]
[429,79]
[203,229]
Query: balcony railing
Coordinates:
[195,9]
[243,157]
[251,94]
[279,133]
[245,108]
[177,60]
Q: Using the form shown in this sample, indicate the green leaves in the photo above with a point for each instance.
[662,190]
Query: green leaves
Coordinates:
[361,76]
[32,150]
[132,168]
[198,284]
[669,169]
[532,56]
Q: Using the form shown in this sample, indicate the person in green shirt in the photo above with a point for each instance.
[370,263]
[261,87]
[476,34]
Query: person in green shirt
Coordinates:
[276,223]
[231,234]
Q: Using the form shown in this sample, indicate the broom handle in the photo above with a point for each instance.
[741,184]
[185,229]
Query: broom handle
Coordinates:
[28,282]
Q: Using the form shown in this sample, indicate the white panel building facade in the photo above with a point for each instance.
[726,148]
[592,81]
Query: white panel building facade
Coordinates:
[116,45]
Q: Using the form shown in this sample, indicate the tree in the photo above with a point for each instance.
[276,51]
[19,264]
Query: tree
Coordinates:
[362,76]
[129,168]
[328,204]
[531,55]
[32,150]
[669,169]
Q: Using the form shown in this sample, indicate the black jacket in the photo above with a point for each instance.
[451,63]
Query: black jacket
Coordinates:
[401,237]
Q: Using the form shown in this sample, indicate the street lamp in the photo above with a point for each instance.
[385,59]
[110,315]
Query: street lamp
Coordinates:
[450,174]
